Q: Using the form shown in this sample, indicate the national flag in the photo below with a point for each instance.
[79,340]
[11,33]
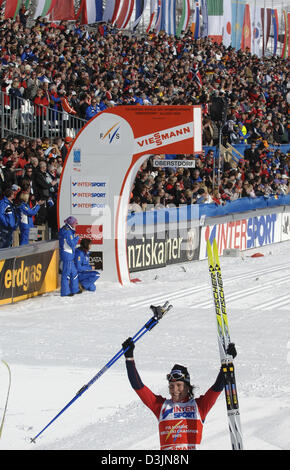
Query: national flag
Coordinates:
[288,18]
[44,7]
[158,16]
[12,8]
[153,13]
[91,11]
[238,10]
[204,14]
[195,27]
[62,10]
[116,11]
[266,26]
[275,29]
[246,32]
[284,48]
[109,10]
[256,23]
[140,8]
[227,23]
[125,14]
[184,20]
[168,16]
[195,75]
[215,12]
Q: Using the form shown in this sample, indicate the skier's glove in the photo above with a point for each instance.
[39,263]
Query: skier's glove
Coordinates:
[130,345]
[232,350]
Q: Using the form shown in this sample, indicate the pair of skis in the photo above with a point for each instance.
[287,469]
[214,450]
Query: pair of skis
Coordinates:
[223,342]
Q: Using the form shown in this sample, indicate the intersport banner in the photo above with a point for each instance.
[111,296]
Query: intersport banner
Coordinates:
[242,234]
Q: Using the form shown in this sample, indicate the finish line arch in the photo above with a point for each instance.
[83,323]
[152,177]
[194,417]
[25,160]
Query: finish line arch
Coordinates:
[101,167]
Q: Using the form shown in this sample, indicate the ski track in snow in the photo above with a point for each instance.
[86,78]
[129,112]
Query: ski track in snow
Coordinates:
[56,345]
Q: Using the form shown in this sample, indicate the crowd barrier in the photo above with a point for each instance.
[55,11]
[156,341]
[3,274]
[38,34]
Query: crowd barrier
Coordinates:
[19,116]
[176,235]
[28,271]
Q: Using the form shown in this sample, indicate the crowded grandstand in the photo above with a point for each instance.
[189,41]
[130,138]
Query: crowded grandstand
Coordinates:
[57,75]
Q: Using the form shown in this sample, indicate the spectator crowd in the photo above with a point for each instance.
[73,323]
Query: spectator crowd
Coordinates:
[82,71]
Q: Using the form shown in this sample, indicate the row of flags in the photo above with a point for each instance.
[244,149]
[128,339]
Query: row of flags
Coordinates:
[242,24]
[245,25]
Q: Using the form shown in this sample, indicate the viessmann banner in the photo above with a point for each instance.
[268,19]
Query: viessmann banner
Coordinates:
[101,167]
[27,276]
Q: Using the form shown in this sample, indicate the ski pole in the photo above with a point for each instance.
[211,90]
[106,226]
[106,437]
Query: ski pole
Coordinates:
[7,398]
[159,312]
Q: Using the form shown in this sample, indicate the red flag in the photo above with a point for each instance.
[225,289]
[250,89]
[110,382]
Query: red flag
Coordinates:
[12,8]
[63,10]
[246,32]
[82,15]
[125,14]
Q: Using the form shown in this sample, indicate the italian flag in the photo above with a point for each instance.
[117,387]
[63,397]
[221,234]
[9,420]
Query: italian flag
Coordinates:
[12,8]
[44,7]
[184,20]
[215,12]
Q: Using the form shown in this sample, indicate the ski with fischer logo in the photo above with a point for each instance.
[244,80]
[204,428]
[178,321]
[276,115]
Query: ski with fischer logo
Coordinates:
[231,395]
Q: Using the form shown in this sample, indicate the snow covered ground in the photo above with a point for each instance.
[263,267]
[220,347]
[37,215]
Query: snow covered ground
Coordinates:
[56,345]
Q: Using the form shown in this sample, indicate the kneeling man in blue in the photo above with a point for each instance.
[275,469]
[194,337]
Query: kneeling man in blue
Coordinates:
[68,241]
[87,275]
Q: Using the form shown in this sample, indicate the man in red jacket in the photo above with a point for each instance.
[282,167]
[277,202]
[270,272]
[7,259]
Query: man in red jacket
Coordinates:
[180,417]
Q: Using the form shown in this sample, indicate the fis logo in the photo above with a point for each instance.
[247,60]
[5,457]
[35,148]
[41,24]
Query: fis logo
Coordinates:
[112,135]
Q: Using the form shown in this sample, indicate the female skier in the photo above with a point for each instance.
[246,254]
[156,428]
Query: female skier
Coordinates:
[182,416]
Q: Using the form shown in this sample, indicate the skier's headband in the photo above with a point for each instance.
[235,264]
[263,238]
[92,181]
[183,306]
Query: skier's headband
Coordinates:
[177,375]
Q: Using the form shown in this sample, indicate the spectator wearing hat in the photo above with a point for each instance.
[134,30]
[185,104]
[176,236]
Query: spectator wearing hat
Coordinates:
[8,218]
[68,241]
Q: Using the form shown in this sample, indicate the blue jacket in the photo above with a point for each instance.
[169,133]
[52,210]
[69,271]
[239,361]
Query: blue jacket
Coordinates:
[26,213]
[92,111]
[68,241]
[8,222]
[82,260]
[8,215]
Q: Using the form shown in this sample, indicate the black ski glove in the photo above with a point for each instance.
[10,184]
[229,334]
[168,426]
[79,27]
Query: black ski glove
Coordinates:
[128,344]
[232,350]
